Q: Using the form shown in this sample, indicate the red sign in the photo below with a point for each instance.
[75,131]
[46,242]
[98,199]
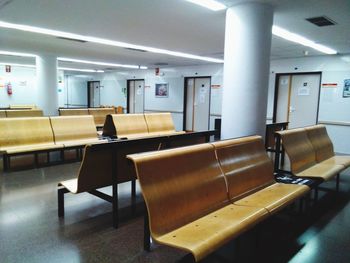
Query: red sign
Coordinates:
[8,68]
[215,86]
[157,71]
[329,85]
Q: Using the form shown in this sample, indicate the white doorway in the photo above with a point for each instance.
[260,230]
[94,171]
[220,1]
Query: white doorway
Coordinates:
[297,99]
[197,103]
[136,96]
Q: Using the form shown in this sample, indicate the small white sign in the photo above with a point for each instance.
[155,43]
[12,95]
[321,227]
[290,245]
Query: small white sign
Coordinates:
[303,91]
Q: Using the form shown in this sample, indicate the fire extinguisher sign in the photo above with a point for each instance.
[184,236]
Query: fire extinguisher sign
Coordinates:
[8,68]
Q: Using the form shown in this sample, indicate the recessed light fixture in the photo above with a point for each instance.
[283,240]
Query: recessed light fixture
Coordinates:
[100,63]
[17,65]
[17,54]
[210,4]
[103,41]
[285,34]
[81,70]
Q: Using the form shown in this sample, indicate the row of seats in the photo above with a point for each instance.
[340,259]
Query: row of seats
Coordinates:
[21,113]
[311,153]
[139,125]
[106,164]
[28,135]
[200,197]
[98,113]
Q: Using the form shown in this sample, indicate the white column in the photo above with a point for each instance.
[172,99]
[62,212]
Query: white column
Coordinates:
[246,69]
[46,75]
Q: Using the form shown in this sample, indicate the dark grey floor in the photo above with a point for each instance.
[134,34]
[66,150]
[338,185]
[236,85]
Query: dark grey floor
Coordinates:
[30,230]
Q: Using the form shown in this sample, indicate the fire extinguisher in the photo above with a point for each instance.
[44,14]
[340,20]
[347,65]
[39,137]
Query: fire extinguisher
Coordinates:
[9,88]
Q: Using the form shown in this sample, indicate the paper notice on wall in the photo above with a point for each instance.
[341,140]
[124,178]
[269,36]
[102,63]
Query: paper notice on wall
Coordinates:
[139,91]
[303,91]
[22,83]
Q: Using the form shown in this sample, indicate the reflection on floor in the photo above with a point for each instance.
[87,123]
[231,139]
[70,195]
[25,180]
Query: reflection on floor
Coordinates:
[30,230]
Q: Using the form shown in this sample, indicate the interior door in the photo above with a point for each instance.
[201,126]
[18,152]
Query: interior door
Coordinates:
[197,103]
[298,99]
[94,99]
[136,96]
[304,96]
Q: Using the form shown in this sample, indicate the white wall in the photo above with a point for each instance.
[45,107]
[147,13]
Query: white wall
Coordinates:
[23,82]
[333,107]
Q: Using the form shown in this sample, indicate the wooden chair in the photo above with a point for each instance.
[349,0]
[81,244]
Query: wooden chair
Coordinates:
[74,131]
[302,156]
[100,114]
[20,136]
[249,175]
[24,113]
[125,126]
[160,123]
[186,198]
[323,146]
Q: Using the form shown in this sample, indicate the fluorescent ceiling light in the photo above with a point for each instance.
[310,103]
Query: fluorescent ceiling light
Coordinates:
[81,70]
[280,32]
[16,64]
[210,4]
[103,41]
[17,54]
[99,63]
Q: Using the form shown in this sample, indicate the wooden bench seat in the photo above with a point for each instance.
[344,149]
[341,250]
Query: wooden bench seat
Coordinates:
[186,197]
[24,113]
[323,146]
[25,136]
[70,112]
[302,156]
[2,114]
[249,175]
[74,131]
[160,124]
[100,115]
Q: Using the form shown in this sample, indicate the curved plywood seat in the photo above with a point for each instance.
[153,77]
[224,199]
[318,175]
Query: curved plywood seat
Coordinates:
[70,112]
[24,113]
[249,174]
[100,115]
[2,114]
[188,207]
[303,155]
[73,131]
[126,126]
[323,146]
[26,134]
[160,123]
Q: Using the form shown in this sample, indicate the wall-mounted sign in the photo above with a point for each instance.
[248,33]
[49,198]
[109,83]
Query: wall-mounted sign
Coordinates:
[8,68]
[346,90]
[330,85]
[157,71]
[215,86]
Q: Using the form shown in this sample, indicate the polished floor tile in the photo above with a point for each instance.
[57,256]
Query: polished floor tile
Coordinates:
[30,230]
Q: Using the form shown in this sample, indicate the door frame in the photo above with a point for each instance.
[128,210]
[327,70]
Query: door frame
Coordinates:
[88,92]
[185,99]
[275,99]
[128,93]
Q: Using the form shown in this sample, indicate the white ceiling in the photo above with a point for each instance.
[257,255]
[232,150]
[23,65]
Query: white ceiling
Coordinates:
[168,24]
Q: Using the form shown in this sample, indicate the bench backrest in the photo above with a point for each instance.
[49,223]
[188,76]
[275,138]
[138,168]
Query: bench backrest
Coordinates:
[2,113]
[246,165]
[70,112]
[23,106]
[119,110]
[66,128]
[25,131]
[321,142]
[96,168]
[100,114]
[24,113]
[271,128]
[128,124]
[159,122]
[180,185]
[298,148]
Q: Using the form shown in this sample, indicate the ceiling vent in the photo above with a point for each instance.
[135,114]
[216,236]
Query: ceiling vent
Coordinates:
[136,49]
[72,39]
[161,64]
[321,21]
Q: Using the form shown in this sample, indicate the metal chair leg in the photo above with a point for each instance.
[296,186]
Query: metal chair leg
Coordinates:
[146,234]
[60,195]
[115,205]
[337,182]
